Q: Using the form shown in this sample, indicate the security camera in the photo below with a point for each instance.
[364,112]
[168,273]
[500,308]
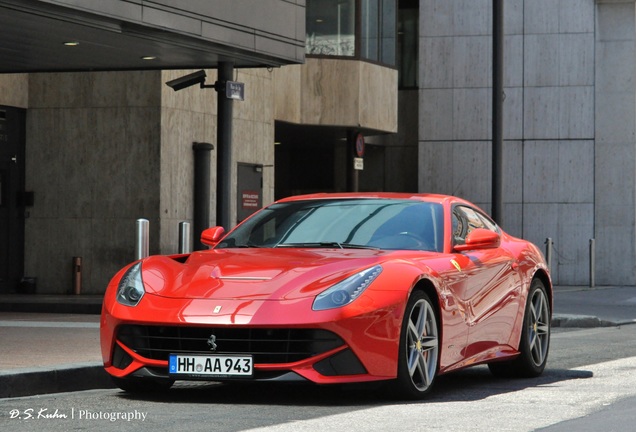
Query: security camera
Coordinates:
[187,80]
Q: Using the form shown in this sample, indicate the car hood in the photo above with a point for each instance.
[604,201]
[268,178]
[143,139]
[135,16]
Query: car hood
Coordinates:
[255,274]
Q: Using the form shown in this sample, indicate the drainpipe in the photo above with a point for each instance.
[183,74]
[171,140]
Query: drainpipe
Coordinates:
[497,109]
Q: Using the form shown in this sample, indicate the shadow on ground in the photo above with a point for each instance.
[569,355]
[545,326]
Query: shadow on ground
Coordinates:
[467,385]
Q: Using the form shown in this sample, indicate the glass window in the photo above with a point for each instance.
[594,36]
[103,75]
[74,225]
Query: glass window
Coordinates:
[378,30]
[330,27]
[332,30]
[370,31]
[466,219]
[408,24]
[389,32]
[372,223]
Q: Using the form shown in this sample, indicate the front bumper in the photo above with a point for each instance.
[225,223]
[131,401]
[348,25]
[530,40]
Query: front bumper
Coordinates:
[337,346]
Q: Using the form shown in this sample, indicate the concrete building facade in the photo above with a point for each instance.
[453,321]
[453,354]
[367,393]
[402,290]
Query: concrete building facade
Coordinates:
[569,119]
[106,148]
[100,139]
[103,141]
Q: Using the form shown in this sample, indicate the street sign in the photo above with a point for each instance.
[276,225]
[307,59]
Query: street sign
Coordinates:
[359,145]
[235,90]
[358,164]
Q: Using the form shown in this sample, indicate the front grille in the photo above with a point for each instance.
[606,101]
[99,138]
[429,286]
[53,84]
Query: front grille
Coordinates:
[266,345]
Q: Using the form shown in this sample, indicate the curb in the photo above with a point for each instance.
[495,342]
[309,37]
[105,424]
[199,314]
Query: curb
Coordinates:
[88,304]
[29,382]
[584,321]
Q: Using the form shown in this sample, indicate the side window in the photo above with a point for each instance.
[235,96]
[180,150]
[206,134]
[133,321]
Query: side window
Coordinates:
[460,226]
[487,223]
[466,219]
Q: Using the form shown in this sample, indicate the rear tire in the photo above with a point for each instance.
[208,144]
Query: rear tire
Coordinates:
[535,338]
[418,356]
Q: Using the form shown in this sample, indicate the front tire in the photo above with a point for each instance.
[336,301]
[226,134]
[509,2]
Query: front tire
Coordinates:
[418,355]
[535,338]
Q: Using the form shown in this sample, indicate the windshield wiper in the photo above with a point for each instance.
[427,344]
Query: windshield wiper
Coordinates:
[248,245]
[331,244]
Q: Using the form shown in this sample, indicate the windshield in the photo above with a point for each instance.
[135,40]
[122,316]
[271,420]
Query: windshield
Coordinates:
[343,223]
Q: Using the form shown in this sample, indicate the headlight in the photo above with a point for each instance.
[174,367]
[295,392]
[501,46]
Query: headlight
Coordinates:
[131,288]
[346,291]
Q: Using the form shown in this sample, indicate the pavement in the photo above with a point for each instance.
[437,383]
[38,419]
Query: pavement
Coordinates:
[50,344]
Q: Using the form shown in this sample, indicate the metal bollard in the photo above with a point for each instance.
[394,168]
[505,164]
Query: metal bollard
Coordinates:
[548,252]
[77,275]
[141,244]
[184,238]
[592,263]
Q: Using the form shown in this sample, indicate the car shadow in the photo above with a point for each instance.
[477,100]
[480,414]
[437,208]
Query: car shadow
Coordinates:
[466,385]
[478,383]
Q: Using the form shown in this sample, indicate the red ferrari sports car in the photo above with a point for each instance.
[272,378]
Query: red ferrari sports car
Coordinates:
[334,288]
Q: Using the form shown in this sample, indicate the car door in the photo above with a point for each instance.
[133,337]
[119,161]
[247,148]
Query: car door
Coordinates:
[489,289]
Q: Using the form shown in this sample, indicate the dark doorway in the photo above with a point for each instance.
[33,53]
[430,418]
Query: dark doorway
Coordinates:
[12,144]
[250,190]
[306,157]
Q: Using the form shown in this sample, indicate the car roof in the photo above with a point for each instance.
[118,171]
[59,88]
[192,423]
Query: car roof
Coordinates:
[435,198]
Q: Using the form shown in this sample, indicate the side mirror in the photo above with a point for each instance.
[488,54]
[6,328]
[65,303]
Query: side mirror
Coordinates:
[480,238]
[211,236]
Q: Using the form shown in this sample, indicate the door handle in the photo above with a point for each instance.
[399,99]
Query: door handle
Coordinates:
[14,159]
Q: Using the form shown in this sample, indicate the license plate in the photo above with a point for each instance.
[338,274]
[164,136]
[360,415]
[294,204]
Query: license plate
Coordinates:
[210,366]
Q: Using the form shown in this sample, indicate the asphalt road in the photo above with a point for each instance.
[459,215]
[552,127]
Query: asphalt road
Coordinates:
[589,385]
